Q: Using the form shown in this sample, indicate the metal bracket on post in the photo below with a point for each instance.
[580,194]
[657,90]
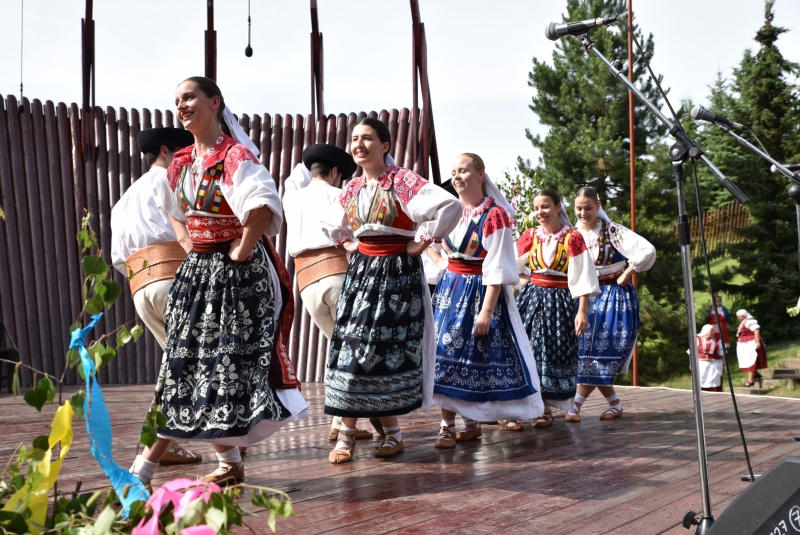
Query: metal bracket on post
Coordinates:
[211,42]
[317,78]
[89,149]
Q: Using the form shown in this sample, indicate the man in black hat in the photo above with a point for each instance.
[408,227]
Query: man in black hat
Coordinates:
[144,243]
[319,266]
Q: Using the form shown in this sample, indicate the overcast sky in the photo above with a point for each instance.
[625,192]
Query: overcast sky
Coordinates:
[479,55]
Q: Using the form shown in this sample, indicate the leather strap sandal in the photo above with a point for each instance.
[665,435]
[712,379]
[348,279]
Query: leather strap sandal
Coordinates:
[445,438]
[225,475]
[470,432]
[344,450]
[178,455]
[545,420]
[573,415]
[389,447]
[511,425]
[612,412]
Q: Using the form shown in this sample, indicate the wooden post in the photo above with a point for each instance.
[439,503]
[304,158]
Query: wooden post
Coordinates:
[631,123]
[211,42]
[317,78]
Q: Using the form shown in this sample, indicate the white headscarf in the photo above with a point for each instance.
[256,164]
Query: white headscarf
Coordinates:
[705,330]
[237,132]
[563,218]
[388,160]
[743,312]
[499,199]
[602,214]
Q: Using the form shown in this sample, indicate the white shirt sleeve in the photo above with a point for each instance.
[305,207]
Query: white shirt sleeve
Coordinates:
[299,179]
[335,223]
[640,253]
[581,272]
[435,212]
[253,187]
[500,264]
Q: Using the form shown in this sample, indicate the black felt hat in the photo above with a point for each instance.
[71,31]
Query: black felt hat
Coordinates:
[448,187]
[166,137]
[332,155]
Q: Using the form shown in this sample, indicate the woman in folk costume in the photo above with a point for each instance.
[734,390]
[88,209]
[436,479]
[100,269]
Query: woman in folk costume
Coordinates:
[554,304]
[226,377]
[750,348]
[380,362]
[718,314]
[709,355]
[485,369]
[606,348]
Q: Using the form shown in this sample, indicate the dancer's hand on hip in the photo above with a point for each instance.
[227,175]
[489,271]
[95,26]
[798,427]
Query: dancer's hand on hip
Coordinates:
[416,248]
[236,252]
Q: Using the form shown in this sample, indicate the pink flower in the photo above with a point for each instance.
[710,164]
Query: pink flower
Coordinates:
[198,530]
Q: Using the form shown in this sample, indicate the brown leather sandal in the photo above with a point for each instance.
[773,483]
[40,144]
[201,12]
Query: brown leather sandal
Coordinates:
[511,425]
[343,455]
[389,447]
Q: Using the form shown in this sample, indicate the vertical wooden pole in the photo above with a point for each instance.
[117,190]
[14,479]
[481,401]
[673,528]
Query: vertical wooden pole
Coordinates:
[631,119]
[211,42]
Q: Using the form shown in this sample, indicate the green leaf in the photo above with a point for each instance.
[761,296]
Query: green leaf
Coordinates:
[42,442]
[13,522]
[42,393]
[73,357]
[112,291]
[216,519]
[76,400]
[123,336]
[75,326]
[94,265]
[15,380]
[137,331]
[94,305]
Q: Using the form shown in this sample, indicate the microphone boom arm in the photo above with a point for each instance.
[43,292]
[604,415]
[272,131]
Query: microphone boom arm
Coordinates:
[778,166]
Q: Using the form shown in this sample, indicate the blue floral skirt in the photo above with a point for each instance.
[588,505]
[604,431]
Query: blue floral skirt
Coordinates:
[548,316]
[470,368]
[605,349]
[220,324]
[375,358]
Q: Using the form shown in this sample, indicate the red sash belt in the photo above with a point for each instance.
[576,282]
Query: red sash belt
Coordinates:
[211,247]
[465,267]
[383,245]
[549,281]
[746,337]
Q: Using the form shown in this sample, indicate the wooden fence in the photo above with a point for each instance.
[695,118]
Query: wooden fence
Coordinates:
[720,227]
[48,178]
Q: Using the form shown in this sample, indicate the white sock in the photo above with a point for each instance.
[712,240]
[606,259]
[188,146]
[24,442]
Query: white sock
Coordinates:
[468,422]
[336,422]
[578,403]
[448,423]
[613,399]
[346,438]
[395,433]
[143,469]
[230,458]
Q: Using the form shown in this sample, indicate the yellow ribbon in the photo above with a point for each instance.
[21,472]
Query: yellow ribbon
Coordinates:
[37,501]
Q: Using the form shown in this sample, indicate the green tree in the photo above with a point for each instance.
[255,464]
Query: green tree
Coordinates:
[764,96]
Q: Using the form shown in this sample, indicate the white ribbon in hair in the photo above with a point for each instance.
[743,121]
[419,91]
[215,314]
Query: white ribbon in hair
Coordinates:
[563,218]
[237,132]
[499,199]
[388,160]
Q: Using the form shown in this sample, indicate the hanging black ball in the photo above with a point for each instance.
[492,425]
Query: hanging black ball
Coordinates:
[248,51]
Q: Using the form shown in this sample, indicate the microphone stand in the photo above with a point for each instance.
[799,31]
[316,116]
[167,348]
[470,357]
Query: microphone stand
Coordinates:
[779,167]
[679,152]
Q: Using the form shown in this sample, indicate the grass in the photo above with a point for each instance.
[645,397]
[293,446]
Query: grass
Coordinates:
[775,353]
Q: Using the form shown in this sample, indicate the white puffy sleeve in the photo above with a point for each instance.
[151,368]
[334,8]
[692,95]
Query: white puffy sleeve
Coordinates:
[300,178]
[524,245]
[640,253]
[435,211]
[247,185]
[581,273]
[335,223]
[752,324]
[500,264]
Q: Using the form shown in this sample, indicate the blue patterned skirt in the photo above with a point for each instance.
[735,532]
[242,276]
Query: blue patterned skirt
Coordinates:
[605,348]
[548,315]
[220,324]
[375,357]
[486,368]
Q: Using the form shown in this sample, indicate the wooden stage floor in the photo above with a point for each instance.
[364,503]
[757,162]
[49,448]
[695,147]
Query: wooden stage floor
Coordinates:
[637,474]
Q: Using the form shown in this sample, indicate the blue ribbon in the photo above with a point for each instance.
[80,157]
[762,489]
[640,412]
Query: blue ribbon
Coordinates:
[98,426]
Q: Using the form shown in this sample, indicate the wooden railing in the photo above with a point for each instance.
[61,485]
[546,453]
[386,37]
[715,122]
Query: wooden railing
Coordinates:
[721,228]
[47,180]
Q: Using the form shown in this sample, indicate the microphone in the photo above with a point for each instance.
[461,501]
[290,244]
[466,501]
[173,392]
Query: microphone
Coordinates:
[554,31]
[699,114]
[793,167]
